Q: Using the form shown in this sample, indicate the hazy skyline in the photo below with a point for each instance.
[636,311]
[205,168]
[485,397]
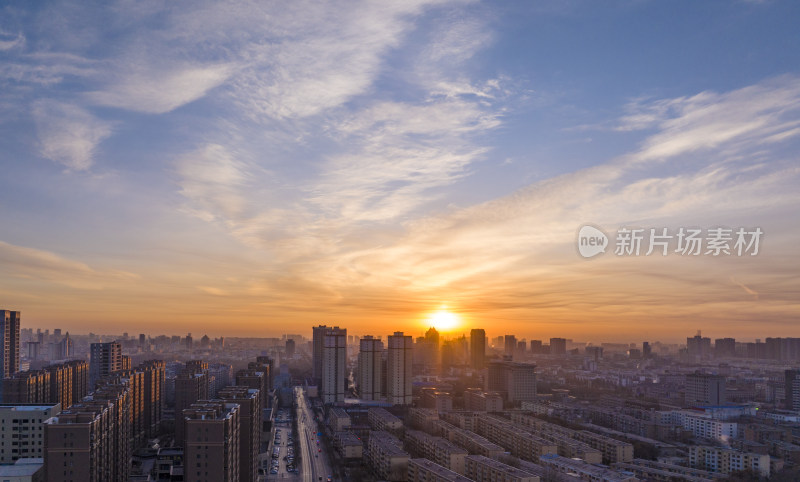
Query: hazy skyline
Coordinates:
[258,168]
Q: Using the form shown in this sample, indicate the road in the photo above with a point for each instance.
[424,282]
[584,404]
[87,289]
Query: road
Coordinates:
[315,462]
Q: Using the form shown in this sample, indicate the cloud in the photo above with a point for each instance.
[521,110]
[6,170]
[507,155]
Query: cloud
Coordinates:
[25,263]
[765,112]
[213,180]
[159,90]
[398,153]
[68,134]
[9,41]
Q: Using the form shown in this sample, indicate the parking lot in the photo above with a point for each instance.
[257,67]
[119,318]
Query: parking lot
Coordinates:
[279,461]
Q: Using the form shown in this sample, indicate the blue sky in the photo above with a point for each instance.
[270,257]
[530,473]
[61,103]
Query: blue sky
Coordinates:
[267,164]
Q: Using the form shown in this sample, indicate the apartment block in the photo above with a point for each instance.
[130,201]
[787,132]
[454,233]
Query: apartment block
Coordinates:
[724,460]
[90,441]
[211,445]
[334,365]
[516,381]
[399,369]
[370,369]
[705,427]
[578,469]
[105,359]
[563,437]
[421,418]
[463,419]
[381,419]
[27,387]
[424,470]
[703,389]
[338,419]
[665,472]
[484,469]
[154,378]
[436,400]
[189,388]
[481,401]
[518,441]
[250,421]
[613,450]
[437,449]
[348,445]
[22,434]
[386,456]
[474,443]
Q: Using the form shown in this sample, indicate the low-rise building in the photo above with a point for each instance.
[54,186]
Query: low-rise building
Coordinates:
[437,449]
[348,445]
[386,456]
[22,434]
[725,461]
[24,470]
[581,470]
[481,401]
[484,469]
[474,443]
[380,419]
[338,420]
[423,470]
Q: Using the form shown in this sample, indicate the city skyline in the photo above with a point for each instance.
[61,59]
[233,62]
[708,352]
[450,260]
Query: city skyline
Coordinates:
[241,170]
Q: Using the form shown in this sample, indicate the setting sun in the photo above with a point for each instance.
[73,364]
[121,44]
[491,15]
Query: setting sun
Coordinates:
[444,320]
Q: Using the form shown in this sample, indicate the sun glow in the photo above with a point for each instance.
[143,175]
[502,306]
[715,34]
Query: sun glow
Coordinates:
[444,320]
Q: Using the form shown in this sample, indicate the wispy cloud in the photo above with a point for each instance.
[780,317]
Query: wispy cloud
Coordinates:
[214,181]
[68,134]
[9,41]
[159,90]
[25,263]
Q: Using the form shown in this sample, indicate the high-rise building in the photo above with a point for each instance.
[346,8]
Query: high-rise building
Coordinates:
[334,365]
[516,381]
[249,401]
[106,358]
[9,345]
[698,346]
[90,442]
[558,346]
[290,347]
[703,389]
[647,350]
[212,440]
[792,389]
[80,379]
[370,372]
[725,347]
[33,350]
[510,345]
[399,365]
[154,377]
[477,348]
[189,388]
[431,349]
[61,385]
[253,378]
[27,387]
[317,351]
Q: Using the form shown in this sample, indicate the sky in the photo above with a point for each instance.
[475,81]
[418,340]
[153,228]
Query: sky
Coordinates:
[256,168]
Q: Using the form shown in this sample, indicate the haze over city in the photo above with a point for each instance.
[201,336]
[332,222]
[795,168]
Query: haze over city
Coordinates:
[255,169]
